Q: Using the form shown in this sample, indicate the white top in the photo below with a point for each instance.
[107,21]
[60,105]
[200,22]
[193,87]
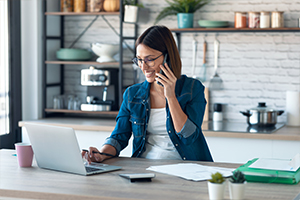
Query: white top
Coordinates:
[158,143]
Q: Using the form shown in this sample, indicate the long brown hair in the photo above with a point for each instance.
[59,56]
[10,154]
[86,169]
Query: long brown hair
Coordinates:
[161,39]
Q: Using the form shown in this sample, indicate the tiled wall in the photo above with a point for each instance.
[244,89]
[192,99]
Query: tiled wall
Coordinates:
[255,67]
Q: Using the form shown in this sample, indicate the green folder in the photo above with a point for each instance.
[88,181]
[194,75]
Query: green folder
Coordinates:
[268,176]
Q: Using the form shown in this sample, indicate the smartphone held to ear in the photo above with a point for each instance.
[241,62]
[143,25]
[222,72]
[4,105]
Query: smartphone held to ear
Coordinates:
[161,71]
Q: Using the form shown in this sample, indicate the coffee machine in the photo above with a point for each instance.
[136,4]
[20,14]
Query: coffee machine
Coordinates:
[102,89]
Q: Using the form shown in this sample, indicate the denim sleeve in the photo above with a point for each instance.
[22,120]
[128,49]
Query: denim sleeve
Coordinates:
[194,109]
[114,143]
[122,132]
[188,129]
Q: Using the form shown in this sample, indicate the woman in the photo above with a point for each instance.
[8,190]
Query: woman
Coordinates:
[165,112]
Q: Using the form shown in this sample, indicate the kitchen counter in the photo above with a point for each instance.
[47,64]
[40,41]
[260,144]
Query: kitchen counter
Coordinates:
[85,124]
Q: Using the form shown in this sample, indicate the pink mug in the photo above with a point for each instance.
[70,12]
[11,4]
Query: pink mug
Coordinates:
[24,154]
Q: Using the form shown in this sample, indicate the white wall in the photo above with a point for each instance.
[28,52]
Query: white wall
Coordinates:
[31,17]
[254,66]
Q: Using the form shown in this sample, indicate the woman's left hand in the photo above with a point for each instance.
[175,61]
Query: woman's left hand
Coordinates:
[168,81]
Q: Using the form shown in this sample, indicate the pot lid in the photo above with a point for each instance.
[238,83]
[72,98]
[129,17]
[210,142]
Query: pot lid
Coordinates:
[262,107]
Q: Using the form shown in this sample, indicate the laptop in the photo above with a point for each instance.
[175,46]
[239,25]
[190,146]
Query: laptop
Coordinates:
[56,148]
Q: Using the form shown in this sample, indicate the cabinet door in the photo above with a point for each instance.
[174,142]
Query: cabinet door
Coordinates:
[238,150]
[283,149]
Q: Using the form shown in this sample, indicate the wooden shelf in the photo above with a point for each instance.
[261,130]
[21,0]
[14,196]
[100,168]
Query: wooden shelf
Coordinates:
[235,30]
[81,13]
[81,112]
[60,62]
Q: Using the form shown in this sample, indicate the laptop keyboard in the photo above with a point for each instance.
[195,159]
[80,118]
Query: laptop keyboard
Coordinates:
[92,169]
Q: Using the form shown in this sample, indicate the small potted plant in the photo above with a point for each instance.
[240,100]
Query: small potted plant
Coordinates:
[237,184]
[216,186]
[135,12]
[184,9]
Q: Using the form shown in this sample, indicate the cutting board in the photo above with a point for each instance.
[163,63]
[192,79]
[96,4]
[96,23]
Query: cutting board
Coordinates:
[206,113]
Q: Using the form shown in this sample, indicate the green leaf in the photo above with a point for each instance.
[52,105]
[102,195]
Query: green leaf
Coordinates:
[238,177]
[180,6]
[217,178]
[164,13]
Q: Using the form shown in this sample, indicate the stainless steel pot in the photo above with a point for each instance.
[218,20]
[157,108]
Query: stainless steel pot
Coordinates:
[262,115]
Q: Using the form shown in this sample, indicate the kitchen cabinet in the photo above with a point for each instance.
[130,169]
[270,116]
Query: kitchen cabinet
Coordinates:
[235,147]
[234,150]
[51,88]
[240,150]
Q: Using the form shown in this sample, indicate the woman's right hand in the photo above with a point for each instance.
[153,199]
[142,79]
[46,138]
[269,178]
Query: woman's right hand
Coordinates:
[92,157]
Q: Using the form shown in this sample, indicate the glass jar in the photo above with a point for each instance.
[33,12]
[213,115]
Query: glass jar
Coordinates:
[264,19]
[77,104]
[79,5]
[58,102]
[66,5]
[96,5]
[240,20]
[277,19]
[254,19]
[88,5]
[71,102]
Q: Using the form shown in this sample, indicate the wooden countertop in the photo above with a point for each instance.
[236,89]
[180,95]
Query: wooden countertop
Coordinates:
[37,183]
[284,133]
[85,124]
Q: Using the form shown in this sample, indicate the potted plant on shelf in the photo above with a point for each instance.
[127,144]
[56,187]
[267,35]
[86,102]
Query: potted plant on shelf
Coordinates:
[237,184]
[184,9]
[135,12]
[216,186]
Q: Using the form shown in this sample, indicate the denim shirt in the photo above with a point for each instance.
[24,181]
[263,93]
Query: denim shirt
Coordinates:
[134,115]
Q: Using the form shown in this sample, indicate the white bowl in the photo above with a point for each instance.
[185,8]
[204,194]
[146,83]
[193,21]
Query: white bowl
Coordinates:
[105,51]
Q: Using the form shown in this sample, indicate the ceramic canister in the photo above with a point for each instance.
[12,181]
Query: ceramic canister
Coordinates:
[277,19]
[264,19]
[253,18]
[240,20]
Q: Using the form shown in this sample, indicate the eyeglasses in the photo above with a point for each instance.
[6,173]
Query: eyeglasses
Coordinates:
[149,62]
